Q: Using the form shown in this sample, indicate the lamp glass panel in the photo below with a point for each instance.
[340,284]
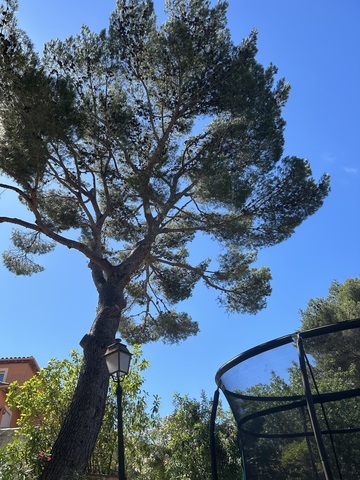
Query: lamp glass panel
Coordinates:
[112,362]
[124,363]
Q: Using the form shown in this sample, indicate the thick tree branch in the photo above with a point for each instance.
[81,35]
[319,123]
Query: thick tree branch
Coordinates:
[20,223]
[17,190]
[67,242]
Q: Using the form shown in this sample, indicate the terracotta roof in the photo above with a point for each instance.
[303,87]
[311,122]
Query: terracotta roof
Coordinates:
[30,360]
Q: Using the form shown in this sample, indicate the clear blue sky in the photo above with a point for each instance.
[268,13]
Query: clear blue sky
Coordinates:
[315,45]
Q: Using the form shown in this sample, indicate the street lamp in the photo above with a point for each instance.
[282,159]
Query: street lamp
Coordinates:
[117,358]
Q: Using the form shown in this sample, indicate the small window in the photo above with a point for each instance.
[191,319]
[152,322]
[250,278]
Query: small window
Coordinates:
[2,376]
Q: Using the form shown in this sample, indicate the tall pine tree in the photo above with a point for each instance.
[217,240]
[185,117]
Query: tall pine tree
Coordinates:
[100,140]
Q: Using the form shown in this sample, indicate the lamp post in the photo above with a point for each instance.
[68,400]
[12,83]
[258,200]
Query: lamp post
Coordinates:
[117,358]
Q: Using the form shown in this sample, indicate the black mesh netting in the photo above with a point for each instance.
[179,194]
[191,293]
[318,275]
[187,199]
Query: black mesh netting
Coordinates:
[296,401]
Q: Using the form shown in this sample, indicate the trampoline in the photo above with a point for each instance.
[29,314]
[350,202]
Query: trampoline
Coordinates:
[296,404]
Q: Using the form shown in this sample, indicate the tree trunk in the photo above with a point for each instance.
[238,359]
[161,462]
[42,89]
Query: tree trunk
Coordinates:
[75,443]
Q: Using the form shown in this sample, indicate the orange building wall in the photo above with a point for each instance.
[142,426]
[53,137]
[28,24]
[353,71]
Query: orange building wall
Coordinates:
[2,398]
[20,369]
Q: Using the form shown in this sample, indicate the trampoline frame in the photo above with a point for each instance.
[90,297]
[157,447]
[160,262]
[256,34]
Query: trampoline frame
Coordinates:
[308,400]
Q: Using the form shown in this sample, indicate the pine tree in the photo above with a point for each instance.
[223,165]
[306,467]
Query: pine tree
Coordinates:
[100,140]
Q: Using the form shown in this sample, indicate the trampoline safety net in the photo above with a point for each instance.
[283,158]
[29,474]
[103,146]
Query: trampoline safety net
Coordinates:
[296,402]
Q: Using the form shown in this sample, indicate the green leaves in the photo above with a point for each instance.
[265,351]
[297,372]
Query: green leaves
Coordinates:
[176,283]
[19,260]
[243,289]
[140,137]
[62,211]
[36,112]
[166,325]
[341,350]
[174,327]
[183,442]
[43,402]
[342,303]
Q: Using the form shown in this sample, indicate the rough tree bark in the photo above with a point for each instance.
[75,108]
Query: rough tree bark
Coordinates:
[83,421]
[78,434]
